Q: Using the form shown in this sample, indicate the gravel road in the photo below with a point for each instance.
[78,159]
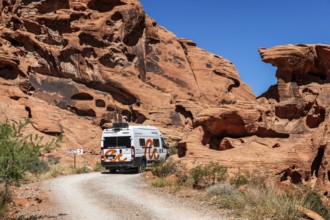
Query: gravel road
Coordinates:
[116,196]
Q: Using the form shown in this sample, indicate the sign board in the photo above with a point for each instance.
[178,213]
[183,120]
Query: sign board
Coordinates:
[76,151]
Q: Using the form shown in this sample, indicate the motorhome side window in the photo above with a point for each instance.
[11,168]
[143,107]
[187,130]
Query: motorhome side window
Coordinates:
[156,142]
[142,142]
[115,142]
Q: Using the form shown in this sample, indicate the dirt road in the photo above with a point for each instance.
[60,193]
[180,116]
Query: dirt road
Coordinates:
[116,196]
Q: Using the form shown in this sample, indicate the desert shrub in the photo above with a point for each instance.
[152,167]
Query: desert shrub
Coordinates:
[206,175]
[53,160]
[256,202]
[240,179]
[82,169]
[164,168]
[221,189]
[313,201]
[98,167]
[173,150]
[160,182]
[55,171]
[38,166]
[19,154]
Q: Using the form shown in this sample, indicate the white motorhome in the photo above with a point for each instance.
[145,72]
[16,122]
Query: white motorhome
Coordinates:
[124,147]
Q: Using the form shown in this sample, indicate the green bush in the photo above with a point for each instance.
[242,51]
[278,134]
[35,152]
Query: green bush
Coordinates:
[159,183]
[19,154]
[221,189]
[173,150]
[164,169]
[98,167]
[313,201]
[239,180]
[82,169]
[206,175]
[38,166]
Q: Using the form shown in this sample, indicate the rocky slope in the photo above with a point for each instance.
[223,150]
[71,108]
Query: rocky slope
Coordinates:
[284,131]
[73,66]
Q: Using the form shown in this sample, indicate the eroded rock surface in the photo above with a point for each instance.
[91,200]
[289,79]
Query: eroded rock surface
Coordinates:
[285,130]
[71,66]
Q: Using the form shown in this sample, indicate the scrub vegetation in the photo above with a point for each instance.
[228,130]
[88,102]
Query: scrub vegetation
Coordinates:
[21,161]
[247,194]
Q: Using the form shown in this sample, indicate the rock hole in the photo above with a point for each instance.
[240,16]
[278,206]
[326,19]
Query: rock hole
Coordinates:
[99,103]
[110,109]
[314,120]
[109,23]
[132,38]
[116,16]
[89,40]
[317,161]
[14,43]
[104,5]
[88,52]
[130,57]
[104,123]
[84,112]
[284,177]
[181,110]
[127,115]
[27,88]
[15,97]
[28,109]
[153,41]
[9,72]
[182,149]
[296,177]
[214,142]
[82,96]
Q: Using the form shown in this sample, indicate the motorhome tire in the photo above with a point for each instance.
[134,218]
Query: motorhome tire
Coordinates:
[112,170]
[142,166]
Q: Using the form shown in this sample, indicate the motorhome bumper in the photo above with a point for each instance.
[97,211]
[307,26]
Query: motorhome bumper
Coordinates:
[130,164]
[117,164]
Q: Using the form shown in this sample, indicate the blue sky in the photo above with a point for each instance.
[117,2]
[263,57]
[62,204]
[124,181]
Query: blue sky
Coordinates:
[236,29]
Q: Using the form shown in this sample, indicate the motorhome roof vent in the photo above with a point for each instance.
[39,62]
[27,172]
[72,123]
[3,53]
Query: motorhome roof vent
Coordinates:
[120,125]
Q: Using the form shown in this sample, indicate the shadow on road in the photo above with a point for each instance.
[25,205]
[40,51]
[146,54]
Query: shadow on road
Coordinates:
[133,171]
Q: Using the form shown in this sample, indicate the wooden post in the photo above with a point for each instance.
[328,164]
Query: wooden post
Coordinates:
[74,161]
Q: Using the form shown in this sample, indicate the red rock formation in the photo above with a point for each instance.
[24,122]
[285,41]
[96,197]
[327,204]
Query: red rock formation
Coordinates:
[70,66]
[284,131]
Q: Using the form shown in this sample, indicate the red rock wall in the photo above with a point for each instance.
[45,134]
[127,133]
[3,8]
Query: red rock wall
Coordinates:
[70,65]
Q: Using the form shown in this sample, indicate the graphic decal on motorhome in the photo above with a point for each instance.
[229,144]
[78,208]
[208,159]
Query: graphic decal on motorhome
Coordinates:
[149,145]
[115,158]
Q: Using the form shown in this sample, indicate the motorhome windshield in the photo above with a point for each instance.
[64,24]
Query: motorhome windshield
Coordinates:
[117,142]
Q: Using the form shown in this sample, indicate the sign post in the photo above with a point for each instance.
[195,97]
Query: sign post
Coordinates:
[75,152]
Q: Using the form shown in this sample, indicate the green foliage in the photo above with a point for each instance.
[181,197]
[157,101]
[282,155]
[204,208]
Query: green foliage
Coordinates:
[164,169]
[255,202]
[206,175]
[19,154]
[313,201]
[173,150]
[159,183]
[239,180]
[98,167]
[82,169]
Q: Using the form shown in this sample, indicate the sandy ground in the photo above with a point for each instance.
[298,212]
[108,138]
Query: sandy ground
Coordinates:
[114,196]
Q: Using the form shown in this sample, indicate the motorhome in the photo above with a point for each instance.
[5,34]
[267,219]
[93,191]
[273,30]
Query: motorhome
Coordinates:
[125,147]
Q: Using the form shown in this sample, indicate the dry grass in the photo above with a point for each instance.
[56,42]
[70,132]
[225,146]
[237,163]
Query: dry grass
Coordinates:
[248,195]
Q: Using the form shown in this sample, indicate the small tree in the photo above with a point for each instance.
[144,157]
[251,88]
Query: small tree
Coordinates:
[18,154]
